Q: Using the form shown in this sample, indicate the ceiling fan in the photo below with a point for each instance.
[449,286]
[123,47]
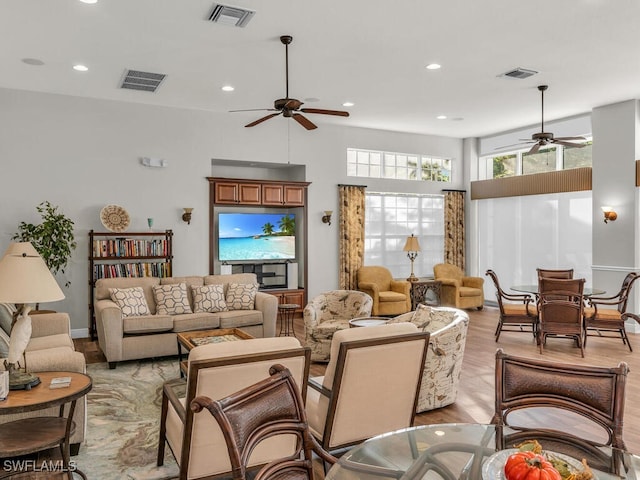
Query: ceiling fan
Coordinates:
[289,107]
[543,138]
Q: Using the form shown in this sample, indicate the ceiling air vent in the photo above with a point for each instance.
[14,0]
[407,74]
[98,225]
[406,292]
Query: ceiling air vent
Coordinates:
[519,73]
[227,15]
[145,81]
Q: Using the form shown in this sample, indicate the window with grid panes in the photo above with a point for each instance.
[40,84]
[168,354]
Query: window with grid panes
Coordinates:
[401,166]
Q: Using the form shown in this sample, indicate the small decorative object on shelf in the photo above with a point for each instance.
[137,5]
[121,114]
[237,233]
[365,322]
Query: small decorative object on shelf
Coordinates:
[138,254]
[115,218]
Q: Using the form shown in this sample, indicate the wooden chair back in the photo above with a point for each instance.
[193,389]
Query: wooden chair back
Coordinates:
[548,273]
[561,309]
[597,394]
[272,407]
[516,310]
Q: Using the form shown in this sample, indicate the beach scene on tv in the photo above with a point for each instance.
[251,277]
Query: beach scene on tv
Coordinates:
[256,236]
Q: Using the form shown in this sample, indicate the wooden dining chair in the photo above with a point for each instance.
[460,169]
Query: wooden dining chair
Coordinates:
[560,310]
[595,394]
[607,314]
[548,273]
[518,311]
[270,408]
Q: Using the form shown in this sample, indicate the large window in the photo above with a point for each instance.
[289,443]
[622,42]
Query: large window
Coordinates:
[402,166]
[545,160]
[390,218]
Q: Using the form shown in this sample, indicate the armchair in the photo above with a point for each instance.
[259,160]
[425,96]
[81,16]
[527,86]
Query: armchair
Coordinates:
[217,371]
[329,312]
[51,349]
[370,386]
[459,290]
[390,297]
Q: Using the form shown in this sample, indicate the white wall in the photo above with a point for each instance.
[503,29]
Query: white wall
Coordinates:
[82,154]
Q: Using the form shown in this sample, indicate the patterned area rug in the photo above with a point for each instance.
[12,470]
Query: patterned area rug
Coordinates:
[123,421]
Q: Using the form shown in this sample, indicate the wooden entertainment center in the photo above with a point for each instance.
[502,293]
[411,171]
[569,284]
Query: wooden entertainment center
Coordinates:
[261,196]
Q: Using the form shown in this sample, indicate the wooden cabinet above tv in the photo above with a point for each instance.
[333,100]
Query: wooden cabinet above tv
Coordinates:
[268,193]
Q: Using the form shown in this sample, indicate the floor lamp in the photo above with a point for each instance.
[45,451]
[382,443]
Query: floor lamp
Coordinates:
[25,280]
[412,247]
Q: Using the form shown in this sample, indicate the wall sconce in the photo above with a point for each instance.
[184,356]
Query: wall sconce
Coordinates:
[186,216]
[326,218]
[609,214]
[412,247]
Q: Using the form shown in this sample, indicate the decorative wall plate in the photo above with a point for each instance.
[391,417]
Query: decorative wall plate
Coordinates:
[115,218]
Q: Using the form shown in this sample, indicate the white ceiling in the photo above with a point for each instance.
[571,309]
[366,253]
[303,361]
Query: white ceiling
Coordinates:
[370,52]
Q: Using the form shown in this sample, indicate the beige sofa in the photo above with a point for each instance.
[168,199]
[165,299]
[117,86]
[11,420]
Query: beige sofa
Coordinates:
[448,328]
[154,335]
[51,349]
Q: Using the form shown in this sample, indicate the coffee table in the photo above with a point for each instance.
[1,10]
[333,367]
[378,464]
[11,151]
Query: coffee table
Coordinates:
[195,338]
[37,434]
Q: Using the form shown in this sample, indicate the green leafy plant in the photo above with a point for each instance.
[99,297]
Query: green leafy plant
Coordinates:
[53,238]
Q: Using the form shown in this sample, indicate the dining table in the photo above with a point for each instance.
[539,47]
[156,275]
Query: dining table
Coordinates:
[455,451]
[533,288]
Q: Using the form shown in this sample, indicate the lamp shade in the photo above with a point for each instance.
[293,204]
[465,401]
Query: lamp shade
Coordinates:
[411,245]
[25,278]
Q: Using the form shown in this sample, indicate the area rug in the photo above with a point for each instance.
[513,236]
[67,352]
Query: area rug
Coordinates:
[123,420]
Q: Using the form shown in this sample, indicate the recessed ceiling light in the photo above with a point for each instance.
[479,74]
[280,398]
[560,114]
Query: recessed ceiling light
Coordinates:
[441,117]
[33,61]
[228,88]
[348,104]
[434,66]
[80,68]
[89,1]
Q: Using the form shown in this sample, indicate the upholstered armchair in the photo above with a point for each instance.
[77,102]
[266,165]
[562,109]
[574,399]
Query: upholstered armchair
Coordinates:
[329,312]
[218,370]
[443,366]
[370,385]
[390,297]
[459,290]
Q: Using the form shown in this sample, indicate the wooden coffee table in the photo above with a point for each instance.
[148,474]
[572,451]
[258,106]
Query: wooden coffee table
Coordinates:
[37,434]
[195,338]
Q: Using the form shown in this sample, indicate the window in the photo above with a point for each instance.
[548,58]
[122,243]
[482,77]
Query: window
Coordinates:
[545,160]
[390,218]
[402,166]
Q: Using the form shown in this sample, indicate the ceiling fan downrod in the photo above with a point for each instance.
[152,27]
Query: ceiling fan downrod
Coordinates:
[286,40]
[542,88]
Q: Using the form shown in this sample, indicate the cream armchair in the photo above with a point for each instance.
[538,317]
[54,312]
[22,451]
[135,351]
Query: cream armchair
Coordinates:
[370,385]
[216,371]
[459,290]
[51,349]
[441,376]
[390,297]
[329,312]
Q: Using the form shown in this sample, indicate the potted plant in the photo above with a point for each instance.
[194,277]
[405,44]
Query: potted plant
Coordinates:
[53,238]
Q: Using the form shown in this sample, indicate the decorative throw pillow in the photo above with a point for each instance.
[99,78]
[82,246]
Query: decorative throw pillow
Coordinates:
[171,299]
[421,318]
[241,296]
[130,300]
[209,298]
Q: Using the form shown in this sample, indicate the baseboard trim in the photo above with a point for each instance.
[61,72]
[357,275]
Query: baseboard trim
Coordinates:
[80,333]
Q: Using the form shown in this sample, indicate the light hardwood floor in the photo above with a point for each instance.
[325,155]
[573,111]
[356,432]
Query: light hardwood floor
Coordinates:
[475,401]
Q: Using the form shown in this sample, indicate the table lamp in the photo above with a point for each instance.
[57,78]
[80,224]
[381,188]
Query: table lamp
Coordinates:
[25,280]
[412,247]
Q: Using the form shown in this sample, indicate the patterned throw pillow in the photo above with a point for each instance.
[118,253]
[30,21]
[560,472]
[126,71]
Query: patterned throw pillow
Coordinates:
[209,298]
[241,296]
[421,318]
[130,300]
[171,299]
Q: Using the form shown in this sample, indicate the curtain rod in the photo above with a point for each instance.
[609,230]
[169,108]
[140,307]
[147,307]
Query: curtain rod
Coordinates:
[346,185]
[452,190]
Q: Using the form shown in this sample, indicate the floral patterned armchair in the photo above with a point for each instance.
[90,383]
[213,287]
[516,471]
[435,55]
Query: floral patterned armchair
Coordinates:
[442,368]
[329,312]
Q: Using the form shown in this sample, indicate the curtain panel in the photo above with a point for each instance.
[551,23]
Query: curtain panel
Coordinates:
[454,236]
[352,199]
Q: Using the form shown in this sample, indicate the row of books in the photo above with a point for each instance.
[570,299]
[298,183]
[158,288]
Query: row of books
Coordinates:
[128,247]
[157,269]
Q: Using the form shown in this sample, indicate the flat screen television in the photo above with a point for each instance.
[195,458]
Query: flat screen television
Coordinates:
[256,236]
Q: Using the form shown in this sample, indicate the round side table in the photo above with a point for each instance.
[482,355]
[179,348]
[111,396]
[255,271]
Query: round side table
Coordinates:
[367,321]
[287,311]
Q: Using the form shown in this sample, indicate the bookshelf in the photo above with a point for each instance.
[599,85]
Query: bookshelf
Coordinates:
[130,254]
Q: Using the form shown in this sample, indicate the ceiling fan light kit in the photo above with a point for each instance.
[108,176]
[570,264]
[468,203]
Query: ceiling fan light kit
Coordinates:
[290,107]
